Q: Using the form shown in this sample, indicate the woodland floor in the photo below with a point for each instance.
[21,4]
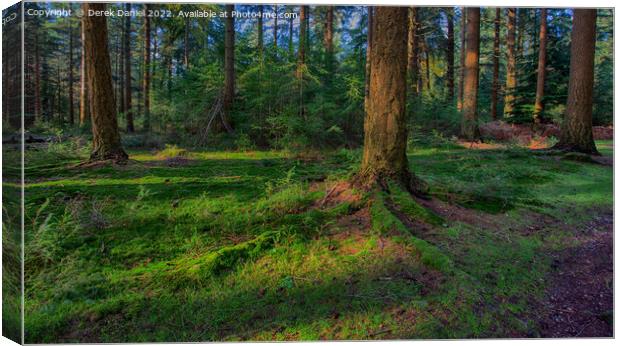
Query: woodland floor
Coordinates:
[203,246]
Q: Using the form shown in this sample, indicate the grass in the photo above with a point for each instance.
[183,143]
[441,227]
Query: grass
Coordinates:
[231,246]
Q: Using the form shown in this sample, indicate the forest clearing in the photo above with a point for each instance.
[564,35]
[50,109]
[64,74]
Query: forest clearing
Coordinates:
[344,173]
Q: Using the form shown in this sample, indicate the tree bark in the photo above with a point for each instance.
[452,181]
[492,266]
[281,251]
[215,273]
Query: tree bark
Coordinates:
[576,133]
[128,110]
[275,30]
[301,54]
[37,78]
[511,64]
[329,31]
[229,66]
[385,131]
[495,87]
[106,138]
[146,88]
[186,44]
[469,126]
[291,49]
[459,102]
[450,54]
[542,64]
[413,67]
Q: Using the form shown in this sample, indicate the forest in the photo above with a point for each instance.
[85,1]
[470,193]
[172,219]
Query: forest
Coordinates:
[207,172]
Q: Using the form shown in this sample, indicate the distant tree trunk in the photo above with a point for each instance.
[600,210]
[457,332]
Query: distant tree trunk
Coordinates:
[120,46]
[37,78]
[260,33]
[229,66]
[83,80]
[106,139]
[368,55]
[511,64]
[469,128]
[459,102]
[291,50]
[385,131]
[450,54]
[275,30]
[128,110]
[301,54]
[412,44]
[495,87]
[542,62]
[186,44]
[147,72]
[329,31]
[427,62]
[576,133]
[71,108]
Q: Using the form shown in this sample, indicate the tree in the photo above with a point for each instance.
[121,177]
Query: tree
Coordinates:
[329,34]
[106,138]
[71,109]
[127,46]
[260,33]
[229,66]
[385,131]
[450,54]
[368,50]
[496,53]
[83,80]
[576,132]
[301,53]
[469,125]
[146,86]
[275,30]
[511,64]
[542,58]
[413,69]
[459,102]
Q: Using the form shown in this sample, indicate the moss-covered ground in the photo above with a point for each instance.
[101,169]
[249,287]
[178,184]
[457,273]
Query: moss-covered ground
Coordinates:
[186,245]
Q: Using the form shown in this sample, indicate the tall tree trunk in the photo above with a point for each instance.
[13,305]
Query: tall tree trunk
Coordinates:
[83,80]
[128,110]
[186,44]
[275,30]
[576,133]
[469,126]
[291,49]
[146,89]
[495,87]
[106,138]
[459,102]
[120,47]
[511,64]
[260,33]
[450,54]
[37,78]
[427,63]
[412,44]
[71,108]
[229,67]
[385,131]
[301,54]
[542,64]
[369,37]
[329,31]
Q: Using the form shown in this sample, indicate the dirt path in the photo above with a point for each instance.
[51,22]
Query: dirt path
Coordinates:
[579,301]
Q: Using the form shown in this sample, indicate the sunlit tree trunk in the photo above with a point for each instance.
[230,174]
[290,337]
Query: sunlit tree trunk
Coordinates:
[83,80]
[146,86]
[450,54]
[412,56]
[128,110]
[385,132]
[329,36]
[511,64]
[542,62]
[459,103]
[495,88]
[106,138]
[469,126]
[576,133]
